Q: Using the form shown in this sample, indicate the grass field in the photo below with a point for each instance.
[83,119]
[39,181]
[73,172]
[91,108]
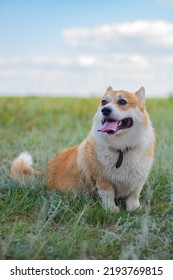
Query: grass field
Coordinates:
[40,224]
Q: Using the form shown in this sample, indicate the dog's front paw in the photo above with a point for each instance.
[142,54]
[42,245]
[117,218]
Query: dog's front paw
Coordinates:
[113,208]
[132,204]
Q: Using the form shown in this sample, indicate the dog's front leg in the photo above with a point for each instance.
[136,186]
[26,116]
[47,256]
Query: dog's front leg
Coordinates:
[132,202]
[107,194]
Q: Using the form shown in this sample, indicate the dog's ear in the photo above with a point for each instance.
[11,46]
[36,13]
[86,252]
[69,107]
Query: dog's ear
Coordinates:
[141,95]
[109,88]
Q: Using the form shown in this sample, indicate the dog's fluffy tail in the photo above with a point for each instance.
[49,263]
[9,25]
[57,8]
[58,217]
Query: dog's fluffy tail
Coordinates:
[21,168]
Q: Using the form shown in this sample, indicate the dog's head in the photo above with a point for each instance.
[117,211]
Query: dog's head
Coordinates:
[121,112]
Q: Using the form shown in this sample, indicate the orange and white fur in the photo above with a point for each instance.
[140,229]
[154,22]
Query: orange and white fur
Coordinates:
[115,158]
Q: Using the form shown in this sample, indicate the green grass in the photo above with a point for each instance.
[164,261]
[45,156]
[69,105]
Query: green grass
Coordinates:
[40,224]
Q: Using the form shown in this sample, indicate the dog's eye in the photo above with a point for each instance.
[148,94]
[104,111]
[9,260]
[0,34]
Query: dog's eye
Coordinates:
[122,102]
[104,102]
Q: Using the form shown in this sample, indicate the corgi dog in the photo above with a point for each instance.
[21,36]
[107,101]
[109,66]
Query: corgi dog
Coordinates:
[115,158]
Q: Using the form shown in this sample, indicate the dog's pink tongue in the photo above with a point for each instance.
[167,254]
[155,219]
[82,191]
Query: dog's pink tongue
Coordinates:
[109,126]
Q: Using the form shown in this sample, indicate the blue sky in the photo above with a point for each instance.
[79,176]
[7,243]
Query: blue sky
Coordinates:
[80,47]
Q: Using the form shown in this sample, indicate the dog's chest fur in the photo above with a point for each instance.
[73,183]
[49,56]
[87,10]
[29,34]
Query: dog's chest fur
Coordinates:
[132,172]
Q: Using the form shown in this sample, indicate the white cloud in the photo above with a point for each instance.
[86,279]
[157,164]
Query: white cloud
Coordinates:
[126,55]
[8,73]
[86,74]
[35,60]
[33,66]
[144,33]
[86,61]
[40,61]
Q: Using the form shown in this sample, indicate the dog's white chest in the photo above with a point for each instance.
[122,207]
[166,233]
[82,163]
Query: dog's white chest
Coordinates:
[131,173]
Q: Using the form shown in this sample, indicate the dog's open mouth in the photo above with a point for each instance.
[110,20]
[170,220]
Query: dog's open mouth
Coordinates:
[111,126]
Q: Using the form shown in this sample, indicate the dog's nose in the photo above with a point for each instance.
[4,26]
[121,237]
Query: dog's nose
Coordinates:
[106,111]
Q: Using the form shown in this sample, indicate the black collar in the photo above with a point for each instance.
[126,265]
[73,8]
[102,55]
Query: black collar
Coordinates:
[120,157]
